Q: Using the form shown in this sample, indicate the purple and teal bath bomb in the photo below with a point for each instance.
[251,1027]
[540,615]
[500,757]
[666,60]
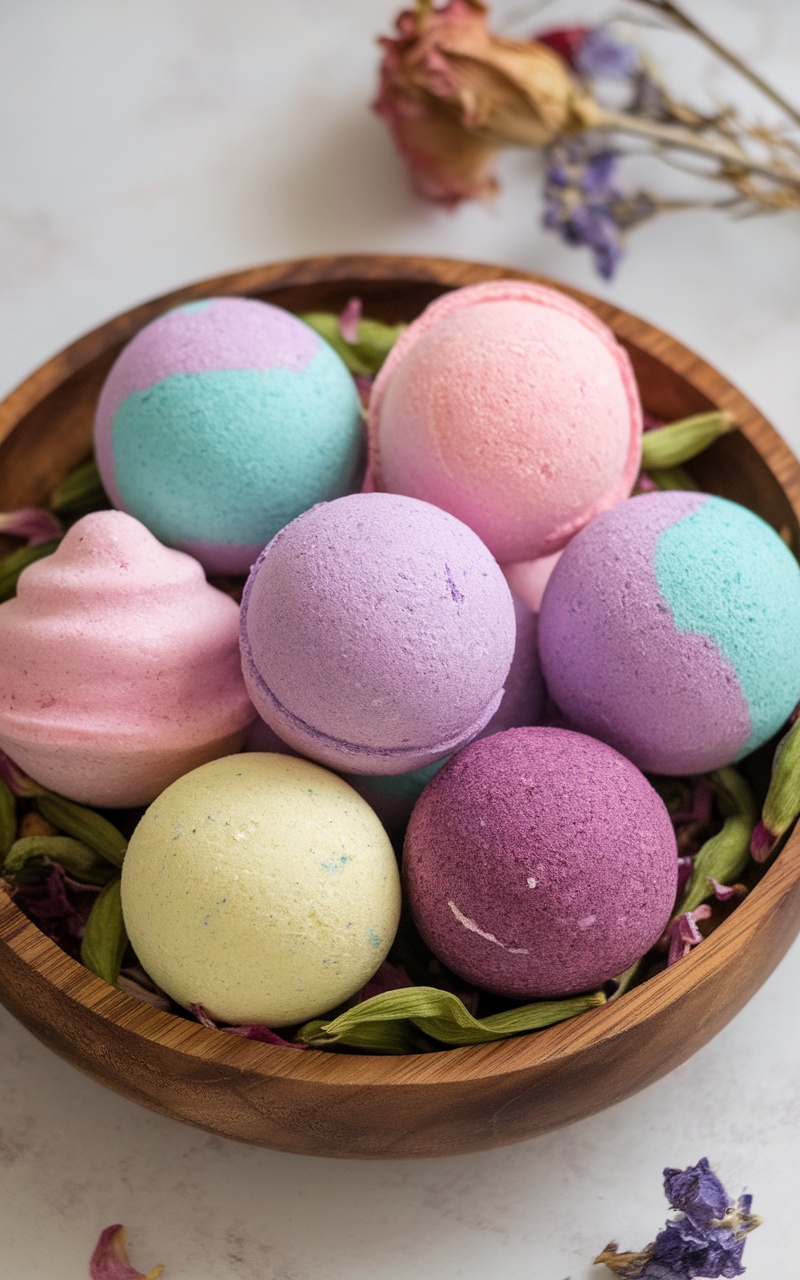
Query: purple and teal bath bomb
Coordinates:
[223,420]
[669,629]
[376,633]
[539,862]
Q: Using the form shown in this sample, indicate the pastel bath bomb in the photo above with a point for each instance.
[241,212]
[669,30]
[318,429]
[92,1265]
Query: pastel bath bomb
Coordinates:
[220,422]
[669,629]
[262,887]
[539,862]
[377,632]
[523,703]
[119,666]
[514,408]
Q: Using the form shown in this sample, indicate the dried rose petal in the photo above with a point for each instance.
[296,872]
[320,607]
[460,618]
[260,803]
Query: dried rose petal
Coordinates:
[388,978]
[724,892]
[110,1260]
[565,41]
[34,524]
[60,907]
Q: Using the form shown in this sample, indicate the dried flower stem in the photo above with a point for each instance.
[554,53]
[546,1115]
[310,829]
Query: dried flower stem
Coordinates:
[683,20]
[669,135]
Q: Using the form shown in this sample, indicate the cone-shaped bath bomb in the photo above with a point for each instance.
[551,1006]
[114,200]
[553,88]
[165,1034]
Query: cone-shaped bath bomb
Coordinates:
[513,407]
[220,422]
[119,666]
[377,632]
[669,629]
[523,703]
[261,887]
[539,862]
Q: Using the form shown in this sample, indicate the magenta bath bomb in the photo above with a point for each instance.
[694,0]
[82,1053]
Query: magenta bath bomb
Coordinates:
[220,422]
[539,862]
[669,629]
[513,407]
[376,634]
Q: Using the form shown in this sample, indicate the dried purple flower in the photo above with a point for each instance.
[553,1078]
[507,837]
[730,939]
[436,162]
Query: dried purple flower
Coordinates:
[602,54]
[706,1239]
[724,892]
[584,206]
[110,1259]
[683,934]
[34,524]
[59,906]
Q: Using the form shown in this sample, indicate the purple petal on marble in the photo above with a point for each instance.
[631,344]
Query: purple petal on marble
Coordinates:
[697,1192]
[34,524]
[109,1260]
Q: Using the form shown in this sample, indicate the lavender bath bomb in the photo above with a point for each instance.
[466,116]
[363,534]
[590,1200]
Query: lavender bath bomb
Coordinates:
[220,422]
[376,634]
[539,862]
[669,629]
[523,703]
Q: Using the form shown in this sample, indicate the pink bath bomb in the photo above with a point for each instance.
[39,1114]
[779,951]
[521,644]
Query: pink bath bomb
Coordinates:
[119,666]
[513,407]
[376,634]
[540,862]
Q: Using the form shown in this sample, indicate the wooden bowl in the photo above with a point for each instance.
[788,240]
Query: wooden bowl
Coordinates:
[431,1104]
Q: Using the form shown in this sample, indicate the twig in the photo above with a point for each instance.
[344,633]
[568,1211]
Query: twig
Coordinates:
[683,20]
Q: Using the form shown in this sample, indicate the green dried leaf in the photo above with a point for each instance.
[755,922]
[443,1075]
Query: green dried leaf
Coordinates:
[23,864]
[681,441]
[440,1015]
[726,855]
[85,825]
[11,566]
[8,820]
[673,478]
[365,357]
[80,492]
[782,803]
[105,939]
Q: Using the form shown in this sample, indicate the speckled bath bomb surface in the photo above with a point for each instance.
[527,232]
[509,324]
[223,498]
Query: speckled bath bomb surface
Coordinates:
[669,628]
[377,632]
[220,422]
[262,887]
[539,862]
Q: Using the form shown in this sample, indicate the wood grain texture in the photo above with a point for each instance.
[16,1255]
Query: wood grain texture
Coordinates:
[440,1103]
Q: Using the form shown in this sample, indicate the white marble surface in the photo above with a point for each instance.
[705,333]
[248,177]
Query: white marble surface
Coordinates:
[150,143]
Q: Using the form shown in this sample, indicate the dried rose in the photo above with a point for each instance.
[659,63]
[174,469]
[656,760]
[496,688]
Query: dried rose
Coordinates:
[452,94]
[110,1259]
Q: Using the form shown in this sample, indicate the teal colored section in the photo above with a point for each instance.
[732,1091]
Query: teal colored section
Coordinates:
[726,574]
[407,786]
[233,455]
[200,305]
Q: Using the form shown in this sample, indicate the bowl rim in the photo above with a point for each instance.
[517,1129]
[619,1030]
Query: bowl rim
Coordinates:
[448,1065]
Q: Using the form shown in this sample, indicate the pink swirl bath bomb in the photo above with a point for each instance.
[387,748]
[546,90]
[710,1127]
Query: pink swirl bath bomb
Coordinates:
[376,634]
[514,408]
[119,666]
[540,862]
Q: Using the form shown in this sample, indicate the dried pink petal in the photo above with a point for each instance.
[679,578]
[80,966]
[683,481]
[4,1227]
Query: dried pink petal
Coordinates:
[724,892]
[110,1259]
[388,978]
[250,1031]
[683,933]
[349,320]
[18,783]
[364,389]
[34,524]
[762,842]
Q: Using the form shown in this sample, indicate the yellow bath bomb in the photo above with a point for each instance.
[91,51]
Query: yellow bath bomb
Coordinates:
[262,887]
